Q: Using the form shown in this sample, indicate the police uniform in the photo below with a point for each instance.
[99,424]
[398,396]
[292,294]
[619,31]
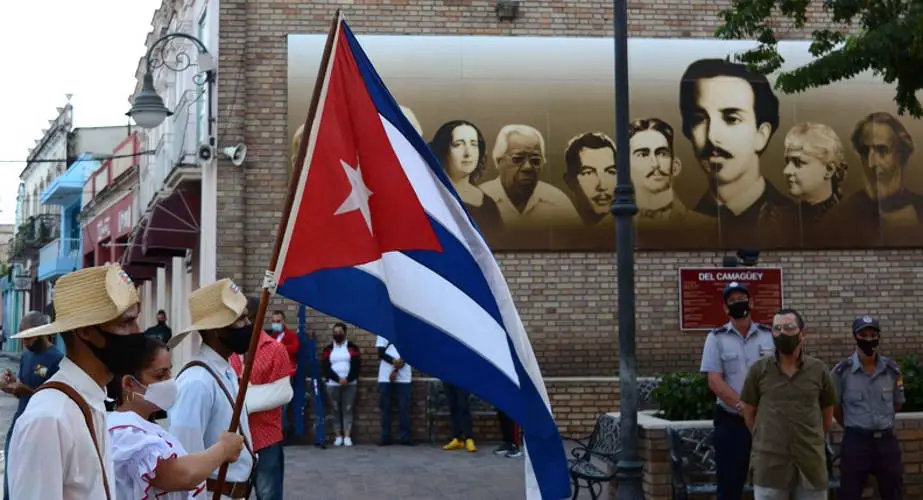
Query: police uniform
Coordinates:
[868,404]
[732,353]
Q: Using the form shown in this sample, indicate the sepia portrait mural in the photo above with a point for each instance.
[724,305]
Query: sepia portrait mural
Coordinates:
[524,128]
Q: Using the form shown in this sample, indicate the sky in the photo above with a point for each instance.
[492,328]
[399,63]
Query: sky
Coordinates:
[88,48]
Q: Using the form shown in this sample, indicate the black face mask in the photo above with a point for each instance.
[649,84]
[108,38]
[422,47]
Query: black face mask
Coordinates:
[38,346]
[122,353]
[786,344]
[339,338]
[238,339]
[868,346]
[739,310]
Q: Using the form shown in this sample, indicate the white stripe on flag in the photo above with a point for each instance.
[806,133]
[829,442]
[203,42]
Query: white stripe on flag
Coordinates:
[419,291]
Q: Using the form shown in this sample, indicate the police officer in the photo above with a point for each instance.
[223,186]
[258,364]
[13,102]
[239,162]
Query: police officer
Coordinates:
[870,390]
[729,352]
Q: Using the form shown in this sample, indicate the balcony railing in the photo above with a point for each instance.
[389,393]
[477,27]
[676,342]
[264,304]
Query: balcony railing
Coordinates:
[183,147]
[33,234]
[59,257]
[177,146]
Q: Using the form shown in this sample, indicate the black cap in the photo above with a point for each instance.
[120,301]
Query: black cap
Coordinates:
[865,322]
[735,287]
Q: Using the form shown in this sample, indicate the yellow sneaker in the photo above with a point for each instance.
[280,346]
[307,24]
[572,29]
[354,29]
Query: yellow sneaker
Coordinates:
[454,444]
[469,445]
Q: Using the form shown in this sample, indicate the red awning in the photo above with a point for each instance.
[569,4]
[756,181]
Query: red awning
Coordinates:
[173,225]
[139,266]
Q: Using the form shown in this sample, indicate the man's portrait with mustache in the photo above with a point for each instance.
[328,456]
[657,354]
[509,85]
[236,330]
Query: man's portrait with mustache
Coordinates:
[654,167]
[729,115]
[589,162]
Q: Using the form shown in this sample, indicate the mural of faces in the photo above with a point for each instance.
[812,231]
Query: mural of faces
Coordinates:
[547,172]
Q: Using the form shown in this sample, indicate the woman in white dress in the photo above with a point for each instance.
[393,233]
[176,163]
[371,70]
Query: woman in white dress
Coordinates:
[149,462]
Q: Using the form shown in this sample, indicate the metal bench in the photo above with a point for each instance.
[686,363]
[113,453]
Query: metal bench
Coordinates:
[437,405]
[692,462]
[693,468]
[595,456]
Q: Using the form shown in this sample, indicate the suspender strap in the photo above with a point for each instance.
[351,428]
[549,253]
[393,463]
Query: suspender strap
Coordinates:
[224,388]
[88,417]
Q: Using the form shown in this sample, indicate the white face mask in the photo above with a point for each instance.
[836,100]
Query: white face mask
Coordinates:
[161,394]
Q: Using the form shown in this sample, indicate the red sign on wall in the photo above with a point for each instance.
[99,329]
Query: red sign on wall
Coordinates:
[701,300]
[113,223]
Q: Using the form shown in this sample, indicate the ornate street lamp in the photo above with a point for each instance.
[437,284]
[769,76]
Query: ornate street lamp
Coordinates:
[624,209]
[148,109]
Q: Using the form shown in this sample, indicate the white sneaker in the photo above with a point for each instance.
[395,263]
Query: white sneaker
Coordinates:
[347,441]
[339,441]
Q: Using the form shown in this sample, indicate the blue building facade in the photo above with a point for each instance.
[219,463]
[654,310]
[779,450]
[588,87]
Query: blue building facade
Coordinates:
[64,254]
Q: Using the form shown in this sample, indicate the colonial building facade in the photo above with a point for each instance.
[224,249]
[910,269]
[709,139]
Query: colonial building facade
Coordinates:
[170,248]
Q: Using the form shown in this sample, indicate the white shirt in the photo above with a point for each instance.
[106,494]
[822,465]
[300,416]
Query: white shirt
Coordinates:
[547,205]
[202,411]
[138,446]
[340,361]
[385,368]
[52,456]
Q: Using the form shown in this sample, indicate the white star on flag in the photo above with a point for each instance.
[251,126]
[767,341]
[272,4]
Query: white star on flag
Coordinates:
[358,198]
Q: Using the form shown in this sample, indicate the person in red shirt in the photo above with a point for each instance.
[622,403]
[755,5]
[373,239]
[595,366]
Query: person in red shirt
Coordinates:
[285,336]
[270,389]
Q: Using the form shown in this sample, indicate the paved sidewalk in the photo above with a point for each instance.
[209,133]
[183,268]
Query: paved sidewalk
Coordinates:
[410,473]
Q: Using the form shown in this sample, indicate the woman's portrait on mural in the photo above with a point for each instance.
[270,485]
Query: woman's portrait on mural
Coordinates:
[814,169]
[461,149]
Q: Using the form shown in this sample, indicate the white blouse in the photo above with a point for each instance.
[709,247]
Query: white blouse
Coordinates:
[138,446]
[340,359]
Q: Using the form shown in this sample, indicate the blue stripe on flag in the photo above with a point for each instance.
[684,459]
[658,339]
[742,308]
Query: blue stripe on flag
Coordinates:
[459,268]
[362,299]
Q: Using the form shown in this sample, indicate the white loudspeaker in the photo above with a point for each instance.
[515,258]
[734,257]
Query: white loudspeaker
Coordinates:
[237,154]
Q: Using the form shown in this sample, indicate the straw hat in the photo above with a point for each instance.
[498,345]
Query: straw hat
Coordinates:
[91,296]
[213,306]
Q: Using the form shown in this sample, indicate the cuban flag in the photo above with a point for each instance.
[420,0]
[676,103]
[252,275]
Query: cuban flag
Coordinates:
[378,237]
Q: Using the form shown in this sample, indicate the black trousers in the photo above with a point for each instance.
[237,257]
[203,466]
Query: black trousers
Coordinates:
[861,455]
[460,411]
[507,428]
[732,454]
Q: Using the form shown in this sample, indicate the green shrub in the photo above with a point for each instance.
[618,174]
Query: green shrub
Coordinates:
[912,370]
[684,396]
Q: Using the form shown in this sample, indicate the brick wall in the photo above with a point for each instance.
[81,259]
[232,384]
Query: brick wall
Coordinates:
[573,326]
[576,403]
[653,449]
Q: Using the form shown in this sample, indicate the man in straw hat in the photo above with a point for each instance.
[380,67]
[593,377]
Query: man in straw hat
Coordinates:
[208,385]
[60,447]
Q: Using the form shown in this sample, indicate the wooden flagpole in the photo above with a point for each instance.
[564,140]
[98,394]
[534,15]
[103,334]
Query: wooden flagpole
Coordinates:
[307,137]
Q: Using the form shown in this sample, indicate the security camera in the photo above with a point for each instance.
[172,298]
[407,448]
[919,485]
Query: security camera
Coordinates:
[205,153]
